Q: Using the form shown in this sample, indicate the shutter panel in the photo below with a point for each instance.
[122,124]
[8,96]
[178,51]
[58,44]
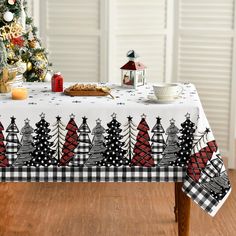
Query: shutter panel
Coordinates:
[73,38]
[205,57]
[141,26]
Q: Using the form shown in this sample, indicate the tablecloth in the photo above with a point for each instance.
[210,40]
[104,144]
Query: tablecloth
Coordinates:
[51,137]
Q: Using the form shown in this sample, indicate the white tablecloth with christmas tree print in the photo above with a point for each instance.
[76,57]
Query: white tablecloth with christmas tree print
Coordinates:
[51,137]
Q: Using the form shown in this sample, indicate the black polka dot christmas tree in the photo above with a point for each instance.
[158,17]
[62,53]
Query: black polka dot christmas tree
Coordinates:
[158,141]
[186,142]
[3,159]
[71,142]
[13,144]
[96,153]
[84,146]
[114,154]
[142,149]
[27,145]
[43,153]
[170,153]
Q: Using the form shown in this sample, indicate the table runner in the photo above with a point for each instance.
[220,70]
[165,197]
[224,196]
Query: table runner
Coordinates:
[56,138]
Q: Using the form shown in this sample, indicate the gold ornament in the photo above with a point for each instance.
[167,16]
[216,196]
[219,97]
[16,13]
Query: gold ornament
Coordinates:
[13,30]
[32,43]
[29,66]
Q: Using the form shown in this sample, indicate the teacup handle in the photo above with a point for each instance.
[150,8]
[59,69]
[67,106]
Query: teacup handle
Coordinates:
[181,89]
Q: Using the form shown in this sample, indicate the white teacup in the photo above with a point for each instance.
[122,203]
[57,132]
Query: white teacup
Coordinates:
[165,91]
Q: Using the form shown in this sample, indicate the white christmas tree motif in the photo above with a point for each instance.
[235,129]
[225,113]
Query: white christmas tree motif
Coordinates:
[12,140]
[27,145]
[98,145]
[58,138]
[172,145]
[129,138]
[158,142]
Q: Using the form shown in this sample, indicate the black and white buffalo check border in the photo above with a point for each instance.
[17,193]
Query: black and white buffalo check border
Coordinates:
[93,174]
[199,195]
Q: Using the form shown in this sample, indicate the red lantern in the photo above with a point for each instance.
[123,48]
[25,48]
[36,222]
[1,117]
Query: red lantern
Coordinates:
[57,82]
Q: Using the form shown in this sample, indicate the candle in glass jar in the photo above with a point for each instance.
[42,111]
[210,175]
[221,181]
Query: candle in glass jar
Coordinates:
[19,93]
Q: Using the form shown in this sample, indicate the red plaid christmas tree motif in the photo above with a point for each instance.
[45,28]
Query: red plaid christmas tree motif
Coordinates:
[142,148]
[71,142]
[3,159]
[198,161]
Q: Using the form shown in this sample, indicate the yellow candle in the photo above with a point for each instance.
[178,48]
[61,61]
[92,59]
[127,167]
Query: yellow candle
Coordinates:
[19,93]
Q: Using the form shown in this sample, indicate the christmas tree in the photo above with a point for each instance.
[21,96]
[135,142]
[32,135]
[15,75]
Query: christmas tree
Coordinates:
[12,140]
[114,154]
[58,138]
[158,142]
[20,40]
[83,146]
[170,153]
[3,159]
[186,142]
[43,153]
[71,142]
[129,138]
[142,149]
[98,145]
[24,154]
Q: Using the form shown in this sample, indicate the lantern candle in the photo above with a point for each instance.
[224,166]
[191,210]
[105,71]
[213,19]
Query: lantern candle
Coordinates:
[19,93]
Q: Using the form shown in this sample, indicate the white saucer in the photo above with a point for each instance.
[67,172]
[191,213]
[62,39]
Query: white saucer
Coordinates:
[154,99]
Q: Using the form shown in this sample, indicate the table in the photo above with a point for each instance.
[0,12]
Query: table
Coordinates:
[55,138]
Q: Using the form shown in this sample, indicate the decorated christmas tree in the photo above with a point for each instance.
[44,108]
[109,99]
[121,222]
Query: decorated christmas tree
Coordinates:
[3,159]
[114,154]
[24,154]
[158,142]
[84,145]
[186,142]
[71,142]
[170,153]
[43,153]
[20,40]
[98,145]
[129,138]
[142,149]
[58,138]
[12,140]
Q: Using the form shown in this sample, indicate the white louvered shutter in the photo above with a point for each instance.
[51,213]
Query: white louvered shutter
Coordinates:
[73,37]
[204,56]
[140,25]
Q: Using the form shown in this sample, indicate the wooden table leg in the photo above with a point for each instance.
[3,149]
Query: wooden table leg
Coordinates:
[183,204]
[176,203]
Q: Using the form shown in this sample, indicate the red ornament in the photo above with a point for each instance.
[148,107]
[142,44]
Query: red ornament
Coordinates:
[57,82]
[18,41]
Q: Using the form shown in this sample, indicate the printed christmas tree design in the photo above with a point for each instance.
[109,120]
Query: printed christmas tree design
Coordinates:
[214,178]
[58,138]
[71,142]
[114,154]
[12,140]
[186,142]
[98,145]
[129,138]
[172,145]
[3,159]
[142,149]
[203,151]
[158,142]
[43,153]
[24,154]
[83,146]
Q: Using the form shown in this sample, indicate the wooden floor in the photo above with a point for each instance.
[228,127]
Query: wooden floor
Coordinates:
[103,209]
